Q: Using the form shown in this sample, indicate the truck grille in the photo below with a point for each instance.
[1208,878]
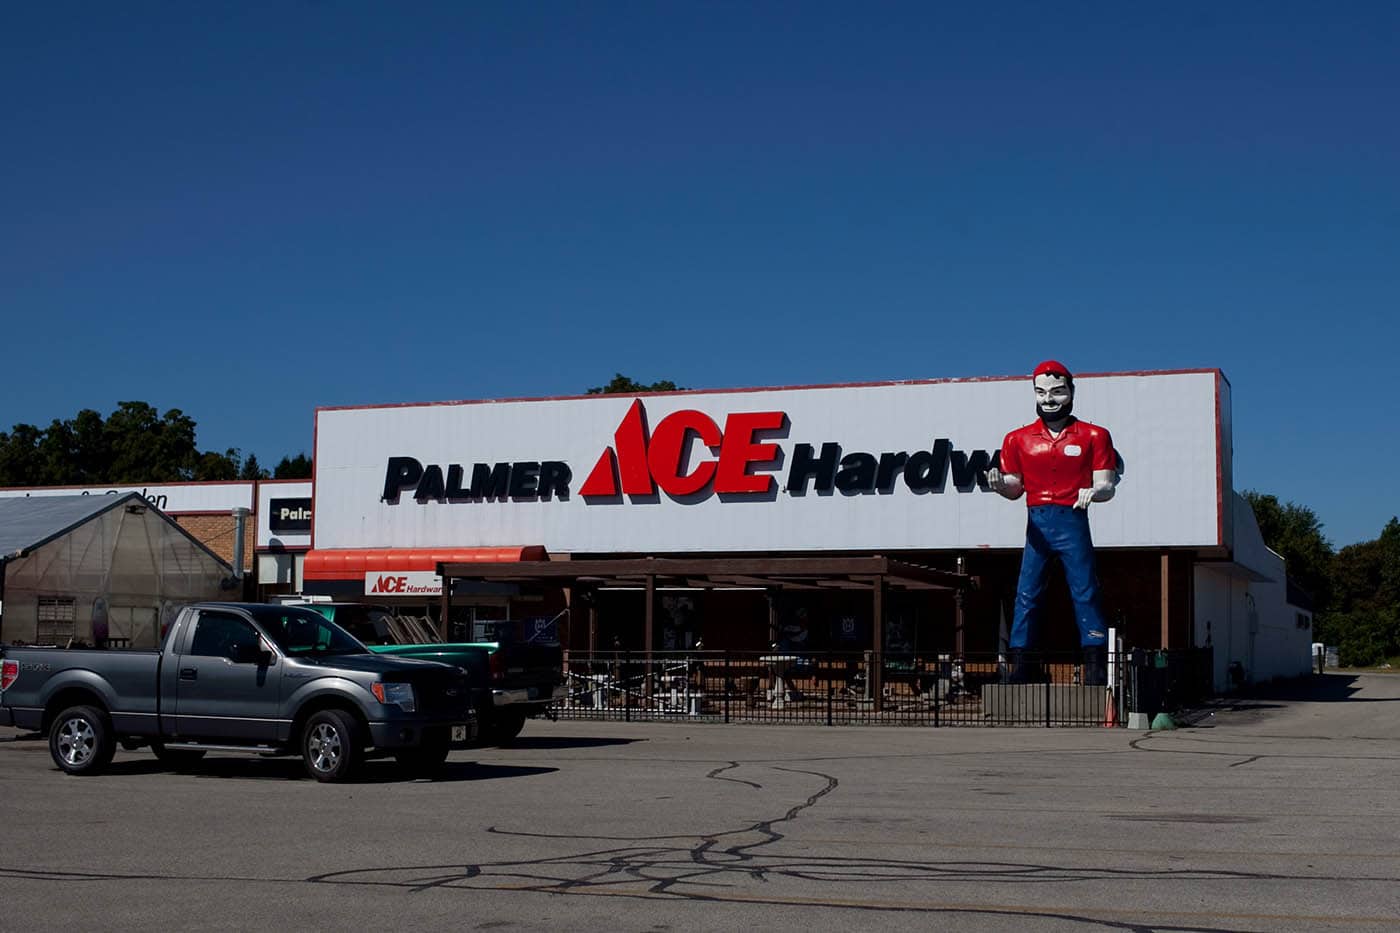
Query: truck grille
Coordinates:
[448,695]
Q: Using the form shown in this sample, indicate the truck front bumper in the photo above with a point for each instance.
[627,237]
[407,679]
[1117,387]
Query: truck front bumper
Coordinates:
[522,695]
[460,732]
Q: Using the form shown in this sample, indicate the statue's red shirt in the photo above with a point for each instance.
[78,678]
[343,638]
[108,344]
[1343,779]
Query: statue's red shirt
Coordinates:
[1054,469]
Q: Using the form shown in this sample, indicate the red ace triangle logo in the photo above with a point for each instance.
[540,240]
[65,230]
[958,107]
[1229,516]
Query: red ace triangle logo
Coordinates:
[640,461]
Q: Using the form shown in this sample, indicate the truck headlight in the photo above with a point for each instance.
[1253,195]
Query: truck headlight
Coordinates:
[400,695]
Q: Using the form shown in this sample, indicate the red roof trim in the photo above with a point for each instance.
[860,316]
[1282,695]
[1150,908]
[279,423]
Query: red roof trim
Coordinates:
[354,564]
[740,391]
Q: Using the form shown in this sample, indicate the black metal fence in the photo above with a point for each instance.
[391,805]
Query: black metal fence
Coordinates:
[1168,681]
[843,688]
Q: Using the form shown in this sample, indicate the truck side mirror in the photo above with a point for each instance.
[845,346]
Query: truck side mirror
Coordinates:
[252,654]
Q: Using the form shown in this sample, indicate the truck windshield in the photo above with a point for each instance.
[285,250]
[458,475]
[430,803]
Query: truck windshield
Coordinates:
[301,632]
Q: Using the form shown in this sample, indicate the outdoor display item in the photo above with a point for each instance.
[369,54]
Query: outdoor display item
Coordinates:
[1061,465]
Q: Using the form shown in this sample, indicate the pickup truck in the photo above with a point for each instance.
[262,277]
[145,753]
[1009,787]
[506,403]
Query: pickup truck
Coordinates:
[514,673]
[275,680]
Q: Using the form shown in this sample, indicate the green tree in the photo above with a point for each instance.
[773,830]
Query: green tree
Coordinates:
[1295,532]
[298,467]
[623,385]
[252,469]
[19,456]
[1364,617]
[212,466]
[135,444]
[147,447]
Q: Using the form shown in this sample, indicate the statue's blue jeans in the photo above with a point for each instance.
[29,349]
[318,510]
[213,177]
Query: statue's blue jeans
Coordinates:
[1057,531]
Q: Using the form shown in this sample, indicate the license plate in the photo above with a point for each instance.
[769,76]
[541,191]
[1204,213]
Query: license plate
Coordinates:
[459,733]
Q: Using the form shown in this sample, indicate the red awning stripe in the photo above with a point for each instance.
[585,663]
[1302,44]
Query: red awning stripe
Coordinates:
[354,564]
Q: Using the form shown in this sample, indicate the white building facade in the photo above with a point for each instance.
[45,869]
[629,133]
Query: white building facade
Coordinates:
[887,468]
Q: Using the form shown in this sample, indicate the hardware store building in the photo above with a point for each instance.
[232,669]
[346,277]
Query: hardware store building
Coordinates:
[895,470]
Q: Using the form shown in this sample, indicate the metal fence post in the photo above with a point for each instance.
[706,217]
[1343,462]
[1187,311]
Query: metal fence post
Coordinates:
[1045,667]
[728,686]
[937,679]
[828,702]
[626,688]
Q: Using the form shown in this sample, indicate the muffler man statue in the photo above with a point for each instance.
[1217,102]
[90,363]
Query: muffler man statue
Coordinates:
[1061,464]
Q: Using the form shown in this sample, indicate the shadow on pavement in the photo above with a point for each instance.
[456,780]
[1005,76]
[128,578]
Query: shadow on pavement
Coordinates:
[1313,688]
[568,741]
[291,769]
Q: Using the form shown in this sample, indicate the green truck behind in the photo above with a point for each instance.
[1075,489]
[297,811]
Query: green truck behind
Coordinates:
[514,668]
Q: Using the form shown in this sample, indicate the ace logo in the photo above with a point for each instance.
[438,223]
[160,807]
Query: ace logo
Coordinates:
[640,461]
[390,584]
[403,583]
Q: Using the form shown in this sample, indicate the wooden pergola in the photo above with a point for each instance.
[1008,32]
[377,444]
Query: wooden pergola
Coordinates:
[769,574]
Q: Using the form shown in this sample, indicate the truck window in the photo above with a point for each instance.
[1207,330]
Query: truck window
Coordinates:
[304,632]
[219,635]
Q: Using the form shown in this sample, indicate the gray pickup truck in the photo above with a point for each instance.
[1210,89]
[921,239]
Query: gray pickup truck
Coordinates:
[275,680]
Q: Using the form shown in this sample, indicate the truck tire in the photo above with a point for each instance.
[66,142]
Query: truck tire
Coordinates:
[331,745]
[506,726]
[81,740]
[424,759]
[176,758]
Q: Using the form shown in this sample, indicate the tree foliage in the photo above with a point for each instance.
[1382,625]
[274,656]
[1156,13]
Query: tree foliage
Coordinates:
[136,443]
[1295,532]
[624,385]
[298,467]
[1356,591]
[252,469]
[1363,619]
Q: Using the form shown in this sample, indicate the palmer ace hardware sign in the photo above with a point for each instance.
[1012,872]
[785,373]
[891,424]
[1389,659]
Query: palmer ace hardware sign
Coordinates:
[894,466]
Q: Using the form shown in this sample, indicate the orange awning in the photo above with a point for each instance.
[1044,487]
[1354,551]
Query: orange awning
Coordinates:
[353,564]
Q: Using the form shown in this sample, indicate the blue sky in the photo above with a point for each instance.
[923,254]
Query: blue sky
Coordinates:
[248,210]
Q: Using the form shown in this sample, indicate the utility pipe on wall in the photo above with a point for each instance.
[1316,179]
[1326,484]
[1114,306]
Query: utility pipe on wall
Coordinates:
[240,525]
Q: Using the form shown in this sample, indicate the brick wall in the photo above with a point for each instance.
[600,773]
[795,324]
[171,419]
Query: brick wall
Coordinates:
[216,532]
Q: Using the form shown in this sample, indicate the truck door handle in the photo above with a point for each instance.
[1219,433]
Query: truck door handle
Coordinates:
[189,673]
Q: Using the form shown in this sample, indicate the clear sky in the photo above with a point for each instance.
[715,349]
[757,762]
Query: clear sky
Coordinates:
[248,210]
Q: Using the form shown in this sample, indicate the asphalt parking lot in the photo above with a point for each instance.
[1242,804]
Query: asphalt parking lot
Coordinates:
[1280,812]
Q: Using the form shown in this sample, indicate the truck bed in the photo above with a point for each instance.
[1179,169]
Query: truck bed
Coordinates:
[124,683]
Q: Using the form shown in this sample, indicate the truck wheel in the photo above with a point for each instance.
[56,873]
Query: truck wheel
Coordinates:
[506,727]
[176,758]
[424,759]
[330,745]
[81,740]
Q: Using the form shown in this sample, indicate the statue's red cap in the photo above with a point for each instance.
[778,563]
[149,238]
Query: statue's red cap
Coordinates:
[1052,368]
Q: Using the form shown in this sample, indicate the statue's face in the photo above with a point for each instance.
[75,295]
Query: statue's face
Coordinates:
[1054,397]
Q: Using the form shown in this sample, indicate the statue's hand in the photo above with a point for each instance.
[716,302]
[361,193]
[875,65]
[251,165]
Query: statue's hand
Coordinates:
[1006,485]
[1085,497]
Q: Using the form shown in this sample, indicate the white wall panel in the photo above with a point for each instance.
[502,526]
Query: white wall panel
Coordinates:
[171,498]
[1163,424]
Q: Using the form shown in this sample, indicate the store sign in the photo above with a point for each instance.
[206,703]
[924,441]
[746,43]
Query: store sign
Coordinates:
[405,583]
[174,498]
[888,466]
[284,515]
[289,516]
[743,457]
